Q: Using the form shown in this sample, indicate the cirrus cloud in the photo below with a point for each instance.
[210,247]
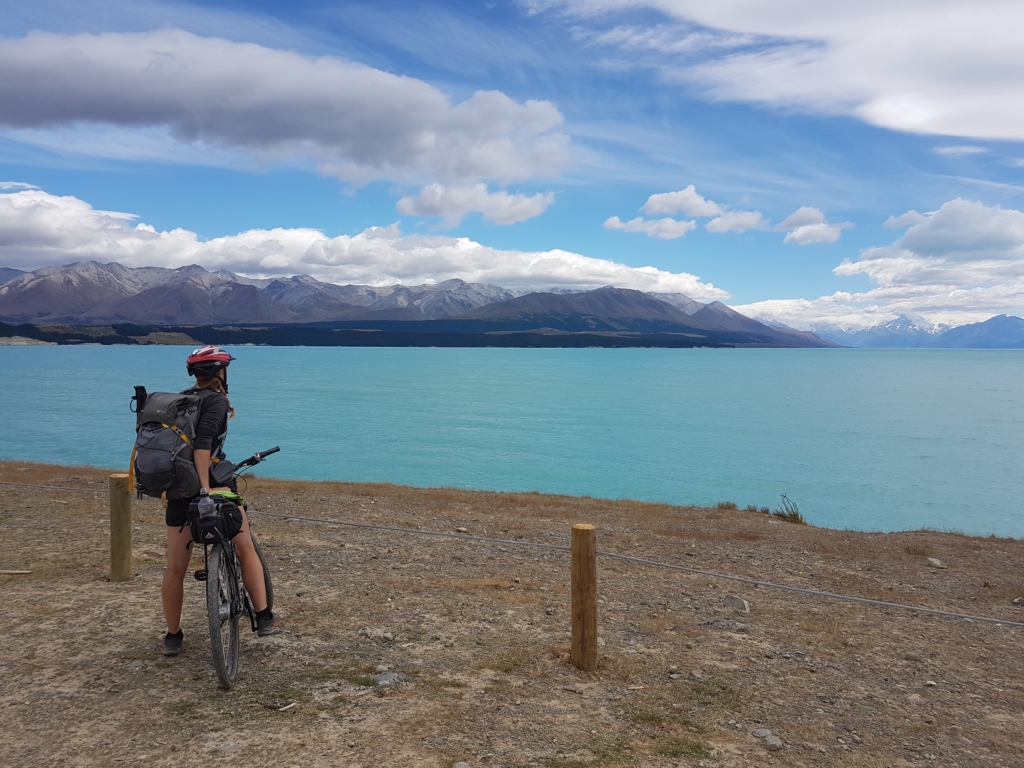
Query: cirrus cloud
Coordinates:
[38,229]
[941,67]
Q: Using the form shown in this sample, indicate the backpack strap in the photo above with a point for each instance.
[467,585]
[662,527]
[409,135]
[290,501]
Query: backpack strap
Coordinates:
[131,470]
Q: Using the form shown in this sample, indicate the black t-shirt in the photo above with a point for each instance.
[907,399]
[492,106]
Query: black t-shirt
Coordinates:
[212,423]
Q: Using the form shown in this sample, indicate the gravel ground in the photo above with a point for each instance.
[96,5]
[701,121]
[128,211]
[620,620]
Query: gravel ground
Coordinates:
[471,640]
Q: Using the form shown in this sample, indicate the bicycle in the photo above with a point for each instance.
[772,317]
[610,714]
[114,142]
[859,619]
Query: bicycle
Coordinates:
[226,597]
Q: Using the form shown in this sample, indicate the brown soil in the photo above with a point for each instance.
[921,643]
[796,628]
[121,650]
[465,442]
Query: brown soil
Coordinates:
[481,632]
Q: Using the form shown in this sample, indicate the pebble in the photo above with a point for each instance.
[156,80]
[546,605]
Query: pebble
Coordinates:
[696,674]
[737,603]
[773,743]
[673,668]
[389,678]
[549,611]
[910,656]
[934,562]
[461,765]
[382,668]
[674,676]
[462,530]
[1018,601]
[762,733]
[388,637]
[931,683]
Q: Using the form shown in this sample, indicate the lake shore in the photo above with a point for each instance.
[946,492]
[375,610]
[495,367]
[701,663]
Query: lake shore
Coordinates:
[479,632]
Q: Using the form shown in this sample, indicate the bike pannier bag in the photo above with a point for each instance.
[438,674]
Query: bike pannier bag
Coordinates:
[223,525]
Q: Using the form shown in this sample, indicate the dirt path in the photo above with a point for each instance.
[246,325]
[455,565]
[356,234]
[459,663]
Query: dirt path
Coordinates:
[478,634]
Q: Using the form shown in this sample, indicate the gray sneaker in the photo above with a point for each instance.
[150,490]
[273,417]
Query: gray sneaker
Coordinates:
[172,643]
[267,624]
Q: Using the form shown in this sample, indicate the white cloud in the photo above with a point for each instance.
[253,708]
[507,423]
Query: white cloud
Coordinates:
[352,121]
[454,202]
[807,225]
[960,149]
[666,228]
[16,185]
[814,233]
[905,220]
[961,263]
[941,67]
[38,229]
[736,221]
[685,201]
[691,203]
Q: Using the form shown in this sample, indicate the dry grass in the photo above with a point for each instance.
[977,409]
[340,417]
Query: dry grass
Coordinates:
[485,664]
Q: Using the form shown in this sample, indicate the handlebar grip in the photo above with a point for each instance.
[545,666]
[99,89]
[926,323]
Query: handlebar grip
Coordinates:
[264,454]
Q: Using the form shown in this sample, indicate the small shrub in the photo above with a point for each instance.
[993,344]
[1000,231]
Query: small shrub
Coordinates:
[726,505]
[751,508]
[789,512]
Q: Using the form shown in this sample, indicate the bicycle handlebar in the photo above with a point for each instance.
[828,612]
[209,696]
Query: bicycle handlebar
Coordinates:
[256,458]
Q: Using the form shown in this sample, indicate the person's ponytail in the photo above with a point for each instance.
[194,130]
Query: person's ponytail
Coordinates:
[217,385]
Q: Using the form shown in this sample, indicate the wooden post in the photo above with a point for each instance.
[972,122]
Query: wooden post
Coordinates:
[120,529]
[584,597]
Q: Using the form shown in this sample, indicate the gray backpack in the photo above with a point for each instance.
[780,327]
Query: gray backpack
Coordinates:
[162,459]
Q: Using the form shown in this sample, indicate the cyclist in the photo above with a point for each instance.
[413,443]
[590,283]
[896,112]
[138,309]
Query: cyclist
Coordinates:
[209,365]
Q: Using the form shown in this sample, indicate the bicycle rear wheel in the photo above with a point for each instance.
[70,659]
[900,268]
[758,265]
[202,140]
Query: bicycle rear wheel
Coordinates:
[266,574]
[221,594]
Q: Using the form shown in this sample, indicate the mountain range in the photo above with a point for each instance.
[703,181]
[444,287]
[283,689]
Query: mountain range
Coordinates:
[91,293]
[909,331]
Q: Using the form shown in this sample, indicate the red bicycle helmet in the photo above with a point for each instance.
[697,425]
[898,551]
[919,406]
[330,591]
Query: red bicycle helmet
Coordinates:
[205,362]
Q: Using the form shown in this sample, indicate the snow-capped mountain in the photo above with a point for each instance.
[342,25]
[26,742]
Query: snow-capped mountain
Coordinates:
[102,294]
[903,331]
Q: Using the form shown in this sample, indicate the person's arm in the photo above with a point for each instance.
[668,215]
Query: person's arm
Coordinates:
[202,460]
[213,413]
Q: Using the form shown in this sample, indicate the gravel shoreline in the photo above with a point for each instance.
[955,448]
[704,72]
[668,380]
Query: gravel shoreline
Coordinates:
[420,651]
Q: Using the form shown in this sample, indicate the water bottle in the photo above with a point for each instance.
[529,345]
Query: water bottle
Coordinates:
[207,508]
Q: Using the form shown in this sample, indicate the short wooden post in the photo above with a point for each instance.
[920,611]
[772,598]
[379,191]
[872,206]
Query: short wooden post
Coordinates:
[584,597]
[120,529]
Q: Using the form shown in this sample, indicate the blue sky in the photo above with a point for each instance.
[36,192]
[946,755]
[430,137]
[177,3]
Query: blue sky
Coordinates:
[521,143]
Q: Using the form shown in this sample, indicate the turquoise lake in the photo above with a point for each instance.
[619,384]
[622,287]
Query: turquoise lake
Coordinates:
[862,439]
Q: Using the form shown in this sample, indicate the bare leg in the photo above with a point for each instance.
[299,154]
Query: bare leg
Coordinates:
[252,568]
[179,553]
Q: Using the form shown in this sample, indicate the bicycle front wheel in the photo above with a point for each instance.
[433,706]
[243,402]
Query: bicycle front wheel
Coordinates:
[221,594]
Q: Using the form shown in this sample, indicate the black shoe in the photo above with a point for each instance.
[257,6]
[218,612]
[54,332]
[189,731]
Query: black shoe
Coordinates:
[267,623]
[172,643]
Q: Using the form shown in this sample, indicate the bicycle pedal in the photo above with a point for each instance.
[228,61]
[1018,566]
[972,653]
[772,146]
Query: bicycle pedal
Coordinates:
[200,575]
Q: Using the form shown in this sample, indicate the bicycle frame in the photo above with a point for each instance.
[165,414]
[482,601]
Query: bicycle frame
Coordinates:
[240,600]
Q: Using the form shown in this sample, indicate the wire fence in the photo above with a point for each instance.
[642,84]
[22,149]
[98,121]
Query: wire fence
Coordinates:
[610,555]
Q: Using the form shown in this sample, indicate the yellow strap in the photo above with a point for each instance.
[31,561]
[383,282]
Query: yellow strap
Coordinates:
[178,432]
[131,471]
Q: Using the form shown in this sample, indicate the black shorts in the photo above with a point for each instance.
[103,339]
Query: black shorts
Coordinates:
[177,509]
